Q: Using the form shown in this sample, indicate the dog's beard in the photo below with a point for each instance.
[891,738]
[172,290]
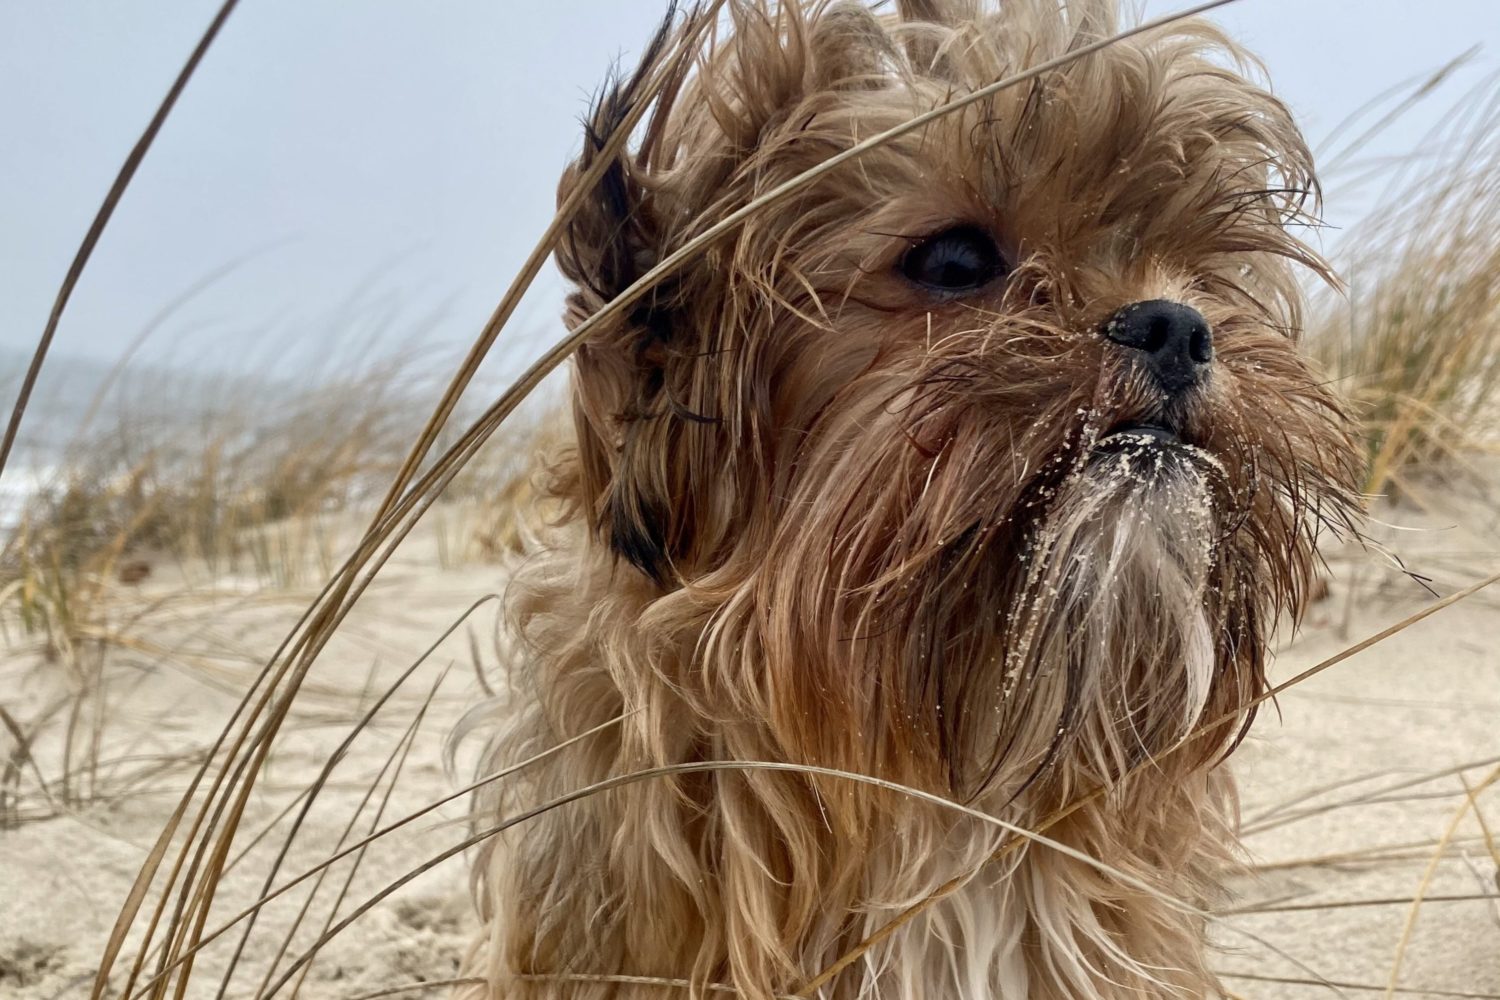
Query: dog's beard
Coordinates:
[1111,638]
[1052,609]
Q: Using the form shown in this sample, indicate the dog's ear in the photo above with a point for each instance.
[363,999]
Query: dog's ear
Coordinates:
[662,426]
[613,238]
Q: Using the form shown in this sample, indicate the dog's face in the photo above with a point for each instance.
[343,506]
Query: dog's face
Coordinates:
[992,449]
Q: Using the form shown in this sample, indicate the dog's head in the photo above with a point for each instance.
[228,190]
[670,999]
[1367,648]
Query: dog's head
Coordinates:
[992,442]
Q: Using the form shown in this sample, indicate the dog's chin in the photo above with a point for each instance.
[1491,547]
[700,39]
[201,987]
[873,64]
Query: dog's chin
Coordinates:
[1155,452]
[1139,508]
[1155,482]
[1115,597]
[1143,506]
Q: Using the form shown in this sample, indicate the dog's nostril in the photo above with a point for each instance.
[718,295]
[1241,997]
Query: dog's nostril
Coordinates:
[1201,347]
[1173,341]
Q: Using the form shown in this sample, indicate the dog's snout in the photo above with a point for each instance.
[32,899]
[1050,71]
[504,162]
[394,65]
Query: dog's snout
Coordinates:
[1174,341]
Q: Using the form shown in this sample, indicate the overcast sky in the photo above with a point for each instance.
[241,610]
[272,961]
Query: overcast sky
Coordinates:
[387,164]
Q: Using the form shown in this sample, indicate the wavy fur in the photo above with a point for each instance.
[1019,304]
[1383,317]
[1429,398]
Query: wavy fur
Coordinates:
[812,514]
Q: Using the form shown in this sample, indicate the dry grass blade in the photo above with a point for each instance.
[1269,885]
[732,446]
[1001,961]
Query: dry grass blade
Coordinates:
[1416,90]
[1486,834]
[20,755]
[1307,795]
[101,219]
[432,984]
[139,889]
[586,977]
[1345,904]
[1470,801]
[397,758]
[1378,854]
[1373,795]
[561,977]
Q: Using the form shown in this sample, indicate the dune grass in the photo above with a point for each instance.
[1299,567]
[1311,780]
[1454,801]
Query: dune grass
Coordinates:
[257,486]
[1415,343]
[244,488]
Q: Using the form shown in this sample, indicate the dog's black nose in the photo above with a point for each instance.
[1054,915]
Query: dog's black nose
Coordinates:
[1174,340]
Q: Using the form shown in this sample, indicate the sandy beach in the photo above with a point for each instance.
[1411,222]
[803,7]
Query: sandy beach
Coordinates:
[1348,786]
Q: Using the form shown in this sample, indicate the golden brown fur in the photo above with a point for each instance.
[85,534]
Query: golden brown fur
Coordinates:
[815,514]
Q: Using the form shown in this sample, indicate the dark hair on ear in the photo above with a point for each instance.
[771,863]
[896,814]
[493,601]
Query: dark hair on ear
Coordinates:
[611,240]
[602,245]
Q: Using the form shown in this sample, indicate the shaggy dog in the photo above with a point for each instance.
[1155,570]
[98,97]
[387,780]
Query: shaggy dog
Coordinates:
[984,466]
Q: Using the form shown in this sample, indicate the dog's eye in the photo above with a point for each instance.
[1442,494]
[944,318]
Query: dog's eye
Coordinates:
[956,260]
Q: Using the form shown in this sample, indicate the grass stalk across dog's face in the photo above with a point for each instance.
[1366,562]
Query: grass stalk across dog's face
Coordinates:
[1005,419]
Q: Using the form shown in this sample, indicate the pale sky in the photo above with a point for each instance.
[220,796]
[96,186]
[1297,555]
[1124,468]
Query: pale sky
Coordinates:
[386,165]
